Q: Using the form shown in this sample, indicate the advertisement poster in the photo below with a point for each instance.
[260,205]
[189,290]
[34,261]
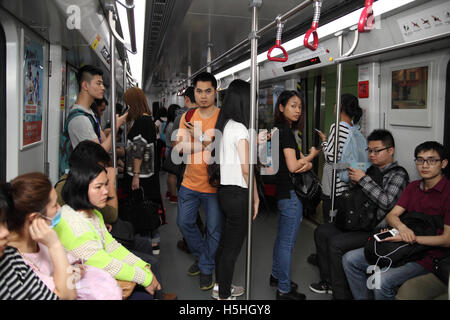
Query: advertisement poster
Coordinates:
[33,84]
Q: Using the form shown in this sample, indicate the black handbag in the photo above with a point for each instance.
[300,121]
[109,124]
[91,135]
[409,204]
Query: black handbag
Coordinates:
[123,232]
[307,187]
[441,267]
[169,166]
[396,254]
[145,215]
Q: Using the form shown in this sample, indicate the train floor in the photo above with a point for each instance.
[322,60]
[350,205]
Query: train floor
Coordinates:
[174,262]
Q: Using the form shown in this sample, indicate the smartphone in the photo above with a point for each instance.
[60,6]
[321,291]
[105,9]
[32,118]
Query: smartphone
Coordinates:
[384,235]
[125,110]
[316,129]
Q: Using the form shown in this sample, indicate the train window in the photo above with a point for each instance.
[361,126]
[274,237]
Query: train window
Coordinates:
[409,88]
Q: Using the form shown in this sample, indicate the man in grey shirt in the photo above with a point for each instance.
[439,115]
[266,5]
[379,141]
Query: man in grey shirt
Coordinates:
[80,128]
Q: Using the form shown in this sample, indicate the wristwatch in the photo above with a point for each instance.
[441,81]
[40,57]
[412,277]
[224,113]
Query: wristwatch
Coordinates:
[201,138]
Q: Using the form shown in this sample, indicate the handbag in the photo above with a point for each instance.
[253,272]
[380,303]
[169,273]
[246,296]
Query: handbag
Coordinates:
[123,232]
[396,254]
[127,288]
[145,215]
[169,166]
[441,267]
[307,187]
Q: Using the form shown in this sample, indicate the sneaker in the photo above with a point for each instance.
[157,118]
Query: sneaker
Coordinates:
[235,291]
[274,283]
[321,287]
[229,298]
[155,250]
[292,295]
[312,259]
[206,281]
[170,296]
[194,270]
[173,199]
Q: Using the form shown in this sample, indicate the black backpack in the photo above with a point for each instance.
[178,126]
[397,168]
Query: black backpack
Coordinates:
[396,254]
[355,210]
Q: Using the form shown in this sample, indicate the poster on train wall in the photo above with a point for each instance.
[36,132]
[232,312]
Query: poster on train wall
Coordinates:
[33,72]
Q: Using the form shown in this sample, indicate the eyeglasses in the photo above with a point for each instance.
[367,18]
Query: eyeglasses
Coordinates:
[376,152]
[430,161]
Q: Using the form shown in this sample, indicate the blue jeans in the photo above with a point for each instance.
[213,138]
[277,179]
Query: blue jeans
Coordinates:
[290,215]
[384,284]
[204,249]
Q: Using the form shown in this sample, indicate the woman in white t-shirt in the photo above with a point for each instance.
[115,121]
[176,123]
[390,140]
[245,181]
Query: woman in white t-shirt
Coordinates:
[233,154]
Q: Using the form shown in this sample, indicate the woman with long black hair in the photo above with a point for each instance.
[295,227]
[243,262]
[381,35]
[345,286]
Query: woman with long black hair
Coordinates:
[232,138]
[287,117]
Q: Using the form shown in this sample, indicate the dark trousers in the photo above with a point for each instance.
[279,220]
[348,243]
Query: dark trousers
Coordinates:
[332,244]
[233,202]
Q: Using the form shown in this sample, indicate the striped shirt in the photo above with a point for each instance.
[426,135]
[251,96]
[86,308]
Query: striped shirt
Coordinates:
[18,281]
[328,150]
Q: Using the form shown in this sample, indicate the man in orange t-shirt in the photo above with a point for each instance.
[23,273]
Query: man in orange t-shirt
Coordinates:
[192,139]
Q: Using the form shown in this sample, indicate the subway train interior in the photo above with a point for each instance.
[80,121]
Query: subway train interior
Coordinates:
[398,68]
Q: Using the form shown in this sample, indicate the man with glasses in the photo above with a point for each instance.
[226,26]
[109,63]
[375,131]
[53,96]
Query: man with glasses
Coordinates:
[431,196]
[331,242]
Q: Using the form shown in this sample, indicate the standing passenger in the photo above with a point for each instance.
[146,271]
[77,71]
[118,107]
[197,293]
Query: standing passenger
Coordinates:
[195,188]
[232,193]
[290,209]
[142,159]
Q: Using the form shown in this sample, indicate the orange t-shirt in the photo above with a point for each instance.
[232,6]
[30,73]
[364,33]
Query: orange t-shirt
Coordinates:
[195,176]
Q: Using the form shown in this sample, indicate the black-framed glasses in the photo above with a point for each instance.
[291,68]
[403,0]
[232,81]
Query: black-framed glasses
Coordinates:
[376,152]
[430,161]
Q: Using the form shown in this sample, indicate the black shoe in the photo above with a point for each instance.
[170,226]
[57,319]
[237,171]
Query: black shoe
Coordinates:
[293,295]
[321,287]
[312,259]
[194,270]
[274,283]
[206,281]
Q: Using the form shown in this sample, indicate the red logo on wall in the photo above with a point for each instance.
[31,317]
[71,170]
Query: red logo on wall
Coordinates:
[363,89]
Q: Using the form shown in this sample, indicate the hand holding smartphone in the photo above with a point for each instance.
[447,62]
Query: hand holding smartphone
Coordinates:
[386,234]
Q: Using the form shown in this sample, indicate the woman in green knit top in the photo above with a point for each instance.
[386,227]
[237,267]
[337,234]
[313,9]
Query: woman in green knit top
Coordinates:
[83,233]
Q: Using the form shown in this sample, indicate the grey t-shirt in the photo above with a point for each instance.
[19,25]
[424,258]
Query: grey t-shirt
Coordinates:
[80,128]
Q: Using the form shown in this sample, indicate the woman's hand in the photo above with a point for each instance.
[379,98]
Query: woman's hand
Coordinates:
[322,136]
[154,285]
[306,166]
[135,182]
[42,233]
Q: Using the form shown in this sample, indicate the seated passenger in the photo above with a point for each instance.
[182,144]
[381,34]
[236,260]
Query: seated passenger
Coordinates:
[83,232]
[332,242]
[431,196]
[31,224]
[17,280]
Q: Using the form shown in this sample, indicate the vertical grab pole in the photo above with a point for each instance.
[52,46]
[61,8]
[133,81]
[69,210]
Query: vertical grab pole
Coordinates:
[113,90]
[336,128]
[254,5]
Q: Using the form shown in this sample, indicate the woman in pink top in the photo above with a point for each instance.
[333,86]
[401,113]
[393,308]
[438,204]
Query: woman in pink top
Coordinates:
[36,213]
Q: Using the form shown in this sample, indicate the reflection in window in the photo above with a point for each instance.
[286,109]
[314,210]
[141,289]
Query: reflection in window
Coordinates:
[409,88]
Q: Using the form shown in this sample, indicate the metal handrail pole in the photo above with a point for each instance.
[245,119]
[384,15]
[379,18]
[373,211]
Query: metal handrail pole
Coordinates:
[113,91]
[255,5]
[336,128]
[131,26]
[260,32]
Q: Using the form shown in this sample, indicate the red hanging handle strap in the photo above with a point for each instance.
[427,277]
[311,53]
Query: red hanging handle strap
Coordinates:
[278,44]
[367,19]
[315,24]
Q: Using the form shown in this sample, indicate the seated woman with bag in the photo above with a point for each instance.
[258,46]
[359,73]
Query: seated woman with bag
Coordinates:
[31,223]
[83,233]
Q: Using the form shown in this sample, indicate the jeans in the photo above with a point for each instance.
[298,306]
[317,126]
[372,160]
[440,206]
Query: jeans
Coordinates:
[290,214]
[203,248]
[331,244]
[384,284]
[233,201]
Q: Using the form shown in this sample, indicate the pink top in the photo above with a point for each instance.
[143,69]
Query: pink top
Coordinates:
[96,284]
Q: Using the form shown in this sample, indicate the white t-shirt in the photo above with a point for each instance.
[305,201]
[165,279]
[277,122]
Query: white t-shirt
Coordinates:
[230,164]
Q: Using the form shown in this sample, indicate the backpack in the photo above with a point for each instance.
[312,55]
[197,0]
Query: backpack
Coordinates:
[353,151]
[396,254]
[355,210]
[65,146]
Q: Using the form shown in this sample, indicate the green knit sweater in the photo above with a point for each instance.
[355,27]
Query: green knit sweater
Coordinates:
[87,238]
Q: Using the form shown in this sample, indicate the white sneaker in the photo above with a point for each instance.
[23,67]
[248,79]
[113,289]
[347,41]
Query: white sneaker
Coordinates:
[235,291]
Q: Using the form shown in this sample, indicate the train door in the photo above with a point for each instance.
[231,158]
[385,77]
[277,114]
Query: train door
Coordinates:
[2,105]
[412,103]
[447,117]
